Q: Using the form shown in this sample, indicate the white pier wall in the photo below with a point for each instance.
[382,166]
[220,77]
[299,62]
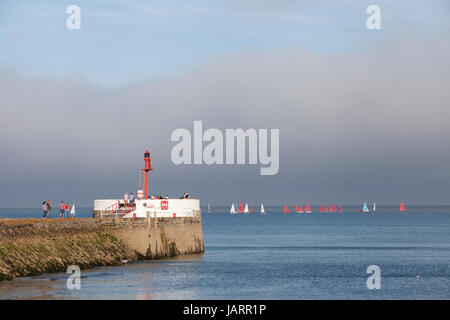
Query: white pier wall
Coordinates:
[164,208]
[167,207]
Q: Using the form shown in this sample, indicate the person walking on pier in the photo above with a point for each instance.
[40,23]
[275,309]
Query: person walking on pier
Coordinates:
[44,209]
[131,198]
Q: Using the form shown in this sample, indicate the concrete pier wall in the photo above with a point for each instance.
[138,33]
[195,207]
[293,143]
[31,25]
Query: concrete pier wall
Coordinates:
[35,246]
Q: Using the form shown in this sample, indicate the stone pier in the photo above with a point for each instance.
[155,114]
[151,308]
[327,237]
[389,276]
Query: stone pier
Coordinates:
[34,246]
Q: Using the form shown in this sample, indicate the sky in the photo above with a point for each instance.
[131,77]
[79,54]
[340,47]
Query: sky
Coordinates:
[364,115]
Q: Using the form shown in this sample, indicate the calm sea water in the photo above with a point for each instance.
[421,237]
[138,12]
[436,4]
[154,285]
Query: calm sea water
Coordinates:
[277,256]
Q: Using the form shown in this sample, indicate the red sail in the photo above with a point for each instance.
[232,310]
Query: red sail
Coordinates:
[339,208]
[241,208]
[321,208]
[402,207]
[286,209]
[332,208]
[307,208]
[251,208]
[300,209]
[296,208]
[325,209]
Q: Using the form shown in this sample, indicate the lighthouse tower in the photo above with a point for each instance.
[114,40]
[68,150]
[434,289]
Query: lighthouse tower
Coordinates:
[147,168]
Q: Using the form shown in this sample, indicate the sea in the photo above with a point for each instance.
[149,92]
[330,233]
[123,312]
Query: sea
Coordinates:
[277,256]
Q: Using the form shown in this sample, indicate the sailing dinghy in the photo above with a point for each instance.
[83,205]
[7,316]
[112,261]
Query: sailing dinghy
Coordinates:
[307,209]
[402,207]
[72,211]
[364,209]
[286,209]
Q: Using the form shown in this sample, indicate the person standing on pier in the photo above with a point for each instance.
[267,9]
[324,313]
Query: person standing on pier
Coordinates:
[61,209]
[49,208]
[66,210]
[125,199]
[44,209]
[185,196]
[131,198]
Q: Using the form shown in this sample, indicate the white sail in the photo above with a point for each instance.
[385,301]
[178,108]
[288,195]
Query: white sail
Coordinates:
[72,211]
[209,208]
[246,208]
[232,210]
[374,207]
[262,209]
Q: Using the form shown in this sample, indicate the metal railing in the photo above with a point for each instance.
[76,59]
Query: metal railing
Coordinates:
[115,210]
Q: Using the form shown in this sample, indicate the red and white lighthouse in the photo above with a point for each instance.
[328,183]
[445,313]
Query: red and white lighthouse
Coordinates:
[147,168]
[143,206]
